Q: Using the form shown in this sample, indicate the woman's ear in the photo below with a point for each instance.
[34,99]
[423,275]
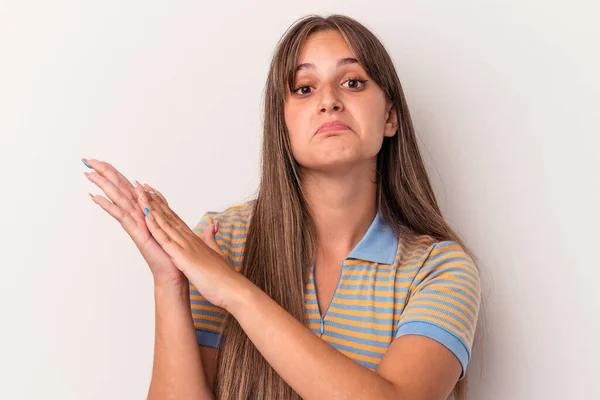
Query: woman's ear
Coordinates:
[391,122]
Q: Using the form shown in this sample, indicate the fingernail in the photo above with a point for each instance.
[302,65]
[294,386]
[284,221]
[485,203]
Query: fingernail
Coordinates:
[84,161]
[148,188]
[216,227]
[92,197]
[147,212]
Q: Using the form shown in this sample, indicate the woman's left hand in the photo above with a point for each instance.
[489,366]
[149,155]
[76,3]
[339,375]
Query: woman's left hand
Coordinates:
[200,259]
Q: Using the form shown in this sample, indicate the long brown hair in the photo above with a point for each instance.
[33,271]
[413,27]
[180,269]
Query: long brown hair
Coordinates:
[281,236]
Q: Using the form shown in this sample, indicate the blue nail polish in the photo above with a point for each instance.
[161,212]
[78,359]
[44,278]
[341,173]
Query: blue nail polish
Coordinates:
[146,211]
[86,164]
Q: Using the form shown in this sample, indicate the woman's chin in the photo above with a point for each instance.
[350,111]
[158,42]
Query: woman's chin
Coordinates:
[335,165]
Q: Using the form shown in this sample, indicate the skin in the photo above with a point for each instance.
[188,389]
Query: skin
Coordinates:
[338,170]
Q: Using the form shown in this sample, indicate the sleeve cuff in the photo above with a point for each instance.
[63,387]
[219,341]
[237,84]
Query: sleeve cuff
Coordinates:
[440,335]
[207,338]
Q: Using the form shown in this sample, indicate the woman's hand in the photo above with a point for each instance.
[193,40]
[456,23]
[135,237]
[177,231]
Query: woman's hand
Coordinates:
[200,259]
[125,208]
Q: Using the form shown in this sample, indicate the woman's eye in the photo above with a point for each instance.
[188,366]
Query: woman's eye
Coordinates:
[353,82]
[301,88]
[356,83]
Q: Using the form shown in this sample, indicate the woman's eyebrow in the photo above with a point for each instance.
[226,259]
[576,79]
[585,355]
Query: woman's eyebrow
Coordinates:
[341,61]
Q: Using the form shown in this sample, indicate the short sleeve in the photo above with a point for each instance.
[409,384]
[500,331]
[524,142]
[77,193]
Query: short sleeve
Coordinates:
[208,319]
[444,301]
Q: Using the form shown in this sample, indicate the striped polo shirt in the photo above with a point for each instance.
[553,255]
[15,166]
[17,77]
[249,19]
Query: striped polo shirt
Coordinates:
[389,286]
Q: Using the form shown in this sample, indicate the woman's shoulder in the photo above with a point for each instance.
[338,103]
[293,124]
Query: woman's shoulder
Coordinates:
[426,251]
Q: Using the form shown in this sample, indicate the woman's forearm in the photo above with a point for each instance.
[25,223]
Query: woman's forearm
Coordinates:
[177,371]
[312,367]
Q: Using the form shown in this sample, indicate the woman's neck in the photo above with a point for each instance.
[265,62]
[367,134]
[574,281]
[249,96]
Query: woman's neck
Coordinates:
[343,208]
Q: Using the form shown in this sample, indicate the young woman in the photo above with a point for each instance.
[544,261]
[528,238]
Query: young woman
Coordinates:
[341,279]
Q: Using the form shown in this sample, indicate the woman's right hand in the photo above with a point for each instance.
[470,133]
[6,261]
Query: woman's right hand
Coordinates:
[126,209]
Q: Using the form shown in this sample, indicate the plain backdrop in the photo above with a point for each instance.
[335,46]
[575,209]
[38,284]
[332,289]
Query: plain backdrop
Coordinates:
[504,96]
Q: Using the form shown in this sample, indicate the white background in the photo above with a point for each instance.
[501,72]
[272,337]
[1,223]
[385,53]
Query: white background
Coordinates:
[505,99]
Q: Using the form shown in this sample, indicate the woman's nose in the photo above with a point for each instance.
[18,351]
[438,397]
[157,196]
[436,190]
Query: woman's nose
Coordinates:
[330,99]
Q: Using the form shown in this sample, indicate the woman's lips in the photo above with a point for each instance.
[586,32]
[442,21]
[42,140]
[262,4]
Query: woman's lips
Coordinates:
[333,127]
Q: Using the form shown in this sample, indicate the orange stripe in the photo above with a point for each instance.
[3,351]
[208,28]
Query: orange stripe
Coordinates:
[442,289]
[206,327]
[397,295]
[360,335]
[358,324]
[456,305]
[357,356]
[205,317]
[224,228]
[442,316]
[358,346]
[443,285]
[449,299]
[355,302]
[229,245]
[377,284]
[208,308]
[356,313]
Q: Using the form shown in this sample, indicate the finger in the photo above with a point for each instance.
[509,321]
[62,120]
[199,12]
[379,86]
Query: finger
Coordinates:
[111,173]
[163,219]
[120,207]
[209,238]
[170,246]
[115,177]
[142,193]
[151,189]
[160,204]
[124,218]
[112,192]
[113,183]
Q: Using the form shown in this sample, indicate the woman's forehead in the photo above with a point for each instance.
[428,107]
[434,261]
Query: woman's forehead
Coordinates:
[324,45]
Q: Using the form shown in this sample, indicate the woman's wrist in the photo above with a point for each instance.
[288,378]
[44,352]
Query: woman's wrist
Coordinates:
[241,296]
[175,287]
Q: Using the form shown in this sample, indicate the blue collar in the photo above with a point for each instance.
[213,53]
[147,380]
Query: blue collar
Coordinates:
[379,244]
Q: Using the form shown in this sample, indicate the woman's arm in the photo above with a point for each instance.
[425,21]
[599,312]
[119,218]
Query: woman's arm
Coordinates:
[178,371]
[414,367]
[417,365]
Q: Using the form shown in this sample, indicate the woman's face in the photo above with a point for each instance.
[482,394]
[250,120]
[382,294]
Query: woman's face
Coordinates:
[326,91]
